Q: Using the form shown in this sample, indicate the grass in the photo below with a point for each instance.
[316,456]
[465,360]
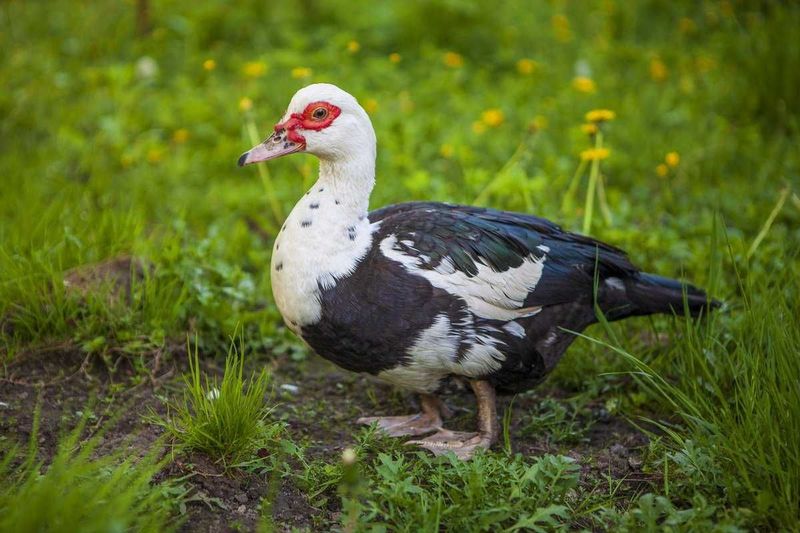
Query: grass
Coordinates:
[558,421]
[226,419]
[381,489]
[735,391]
[485,494]
[80,490]
[116,143]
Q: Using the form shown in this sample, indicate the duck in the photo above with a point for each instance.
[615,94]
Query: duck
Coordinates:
[424,295]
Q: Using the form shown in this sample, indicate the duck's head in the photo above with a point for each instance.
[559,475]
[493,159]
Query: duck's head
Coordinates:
[322,120]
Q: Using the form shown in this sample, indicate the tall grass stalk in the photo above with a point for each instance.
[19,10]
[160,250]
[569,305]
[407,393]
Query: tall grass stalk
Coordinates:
[569,196]
[768,224]
[266,178]
[524,147]
[594,177]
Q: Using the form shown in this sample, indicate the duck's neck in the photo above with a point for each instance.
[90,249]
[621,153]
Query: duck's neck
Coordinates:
[325,236]
[349,181]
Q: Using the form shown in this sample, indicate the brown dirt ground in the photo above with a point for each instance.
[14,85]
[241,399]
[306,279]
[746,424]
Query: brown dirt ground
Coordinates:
[320,414]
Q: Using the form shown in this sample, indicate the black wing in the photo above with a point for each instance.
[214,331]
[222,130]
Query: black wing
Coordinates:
[468,236]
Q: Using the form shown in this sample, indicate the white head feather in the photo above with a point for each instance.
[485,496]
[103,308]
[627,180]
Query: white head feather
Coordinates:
[349,134]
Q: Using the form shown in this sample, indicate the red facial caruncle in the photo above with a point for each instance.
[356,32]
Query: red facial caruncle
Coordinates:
[316,116]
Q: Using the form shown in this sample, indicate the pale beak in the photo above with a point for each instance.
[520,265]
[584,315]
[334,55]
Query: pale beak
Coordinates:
[275,146]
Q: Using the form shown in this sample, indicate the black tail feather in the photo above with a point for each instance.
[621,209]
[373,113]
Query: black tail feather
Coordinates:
[649,294]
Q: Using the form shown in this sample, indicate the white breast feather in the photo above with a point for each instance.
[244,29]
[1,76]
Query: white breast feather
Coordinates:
[314,256]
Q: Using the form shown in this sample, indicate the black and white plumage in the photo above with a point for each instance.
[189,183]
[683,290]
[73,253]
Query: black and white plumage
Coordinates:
[493,294]
[418,293]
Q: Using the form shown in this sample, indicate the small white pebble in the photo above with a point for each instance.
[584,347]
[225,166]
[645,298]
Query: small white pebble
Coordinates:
[213,394]
[288,387]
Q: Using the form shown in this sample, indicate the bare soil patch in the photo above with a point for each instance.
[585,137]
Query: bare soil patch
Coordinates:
[319,404]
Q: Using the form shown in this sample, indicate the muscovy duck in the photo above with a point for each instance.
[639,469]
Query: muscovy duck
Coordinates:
[422,293]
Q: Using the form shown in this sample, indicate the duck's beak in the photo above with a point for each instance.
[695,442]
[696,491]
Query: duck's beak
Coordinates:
[275,146]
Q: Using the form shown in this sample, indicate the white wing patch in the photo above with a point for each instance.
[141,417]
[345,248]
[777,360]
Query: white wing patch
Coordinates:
[430,355]
[551,338]
[515,329]
[434,355]
[489,294]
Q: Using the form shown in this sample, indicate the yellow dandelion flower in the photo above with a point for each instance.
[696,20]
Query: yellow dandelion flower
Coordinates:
[582,84]
[492,117]
[394,57]
[589,129]
[301,72]
[662,170]
[600,115]
[254,69]
[447,151]
[154,155]
[526,66]
[353,46]
[245,104]
[672,159]
[593,154]
[561,28]
[658,70]
[209,65]
[478,127]
[180,136]
[370,105]
[453,60]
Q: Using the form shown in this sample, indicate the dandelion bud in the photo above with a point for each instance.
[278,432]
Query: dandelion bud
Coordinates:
[349,456]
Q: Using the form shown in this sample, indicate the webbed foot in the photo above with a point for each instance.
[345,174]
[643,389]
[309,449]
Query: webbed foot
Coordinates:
[462,444]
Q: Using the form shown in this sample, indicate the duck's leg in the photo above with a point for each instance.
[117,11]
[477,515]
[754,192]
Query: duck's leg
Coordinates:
[464,445]
[428,421]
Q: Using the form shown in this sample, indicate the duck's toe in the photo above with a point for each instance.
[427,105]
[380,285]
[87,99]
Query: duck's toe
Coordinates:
[463,444]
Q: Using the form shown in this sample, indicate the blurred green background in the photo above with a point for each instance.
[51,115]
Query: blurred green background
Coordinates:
[122,123]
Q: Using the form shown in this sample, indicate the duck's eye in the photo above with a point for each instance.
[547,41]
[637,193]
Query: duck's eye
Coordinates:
[319,113]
